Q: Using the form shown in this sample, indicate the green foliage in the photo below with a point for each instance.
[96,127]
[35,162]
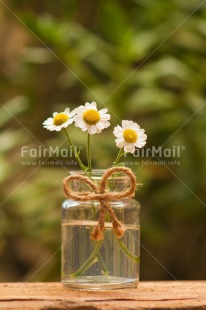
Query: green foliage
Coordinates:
[145,61]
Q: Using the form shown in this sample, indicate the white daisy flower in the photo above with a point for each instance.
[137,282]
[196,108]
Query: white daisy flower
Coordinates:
[129,136]
[59,120]
[89,118]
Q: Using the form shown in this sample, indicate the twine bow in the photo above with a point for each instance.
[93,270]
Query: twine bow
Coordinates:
[103,197]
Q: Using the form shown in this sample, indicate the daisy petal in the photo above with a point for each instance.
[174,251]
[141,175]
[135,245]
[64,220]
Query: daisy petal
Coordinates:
[141,131]
[49,128]
[98,129]
[49,121]
[67,111]
[140,146]
[105,117]
[136,127]
[77,118]
[81,109]
[129,148]
[120,142]
[58,128]
[100,125]
[88,106]
[52,127]
[142,137]
[103,111]
[106,124]
[84,128]
[127,124]
[117,132]
[92,129]
[81,124]
[66,124]
[72,113]
[94,105]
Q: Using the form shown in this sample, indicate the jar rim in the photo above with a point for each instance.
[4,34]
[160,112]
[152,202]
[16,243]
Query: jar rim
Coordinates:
[94,171]
[99,173]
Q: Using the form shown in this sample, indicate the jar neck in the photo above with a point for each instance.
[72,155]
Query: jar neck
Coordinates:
[116,182]
[96,174]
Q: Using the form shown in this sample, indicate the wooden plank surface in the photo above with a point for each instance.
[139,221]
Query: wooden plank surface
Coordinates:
[149,295]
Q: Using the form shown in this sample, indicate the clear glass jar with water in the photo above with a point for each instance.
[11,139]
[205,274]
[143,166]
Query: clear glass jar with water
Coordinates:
[110,263]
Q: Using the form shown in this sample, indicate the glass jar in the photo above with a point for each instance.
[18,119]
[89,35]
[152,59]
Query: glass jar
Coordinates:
[111,263]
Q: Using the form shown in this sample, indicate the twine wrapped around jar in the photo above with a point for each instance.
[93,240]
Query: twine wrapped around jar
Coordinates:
[100,194]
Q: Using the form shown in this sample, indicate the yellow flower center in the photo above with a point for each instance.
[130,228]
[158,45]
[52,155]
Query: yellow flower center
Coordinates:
[60,119]
[91,117]
[130,135]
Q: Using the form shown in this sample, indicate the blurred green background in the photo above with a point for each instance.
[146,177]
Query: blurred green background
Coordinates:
[143,60]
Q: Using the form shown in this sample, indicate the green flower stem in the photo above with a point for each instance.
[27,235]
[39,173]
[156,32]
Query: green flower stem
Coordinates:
[102,264]
[89,261]
[94,211]
[89,153]
[119,155]
[74,150]
[135,258]
[100,259]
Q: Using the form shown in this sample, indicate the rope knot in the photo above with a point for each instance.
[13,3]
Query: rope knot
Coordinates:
[100,194]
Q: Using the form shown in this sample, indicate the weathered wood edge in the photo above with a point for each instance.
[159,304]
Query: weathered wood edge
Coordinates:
[149,295]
